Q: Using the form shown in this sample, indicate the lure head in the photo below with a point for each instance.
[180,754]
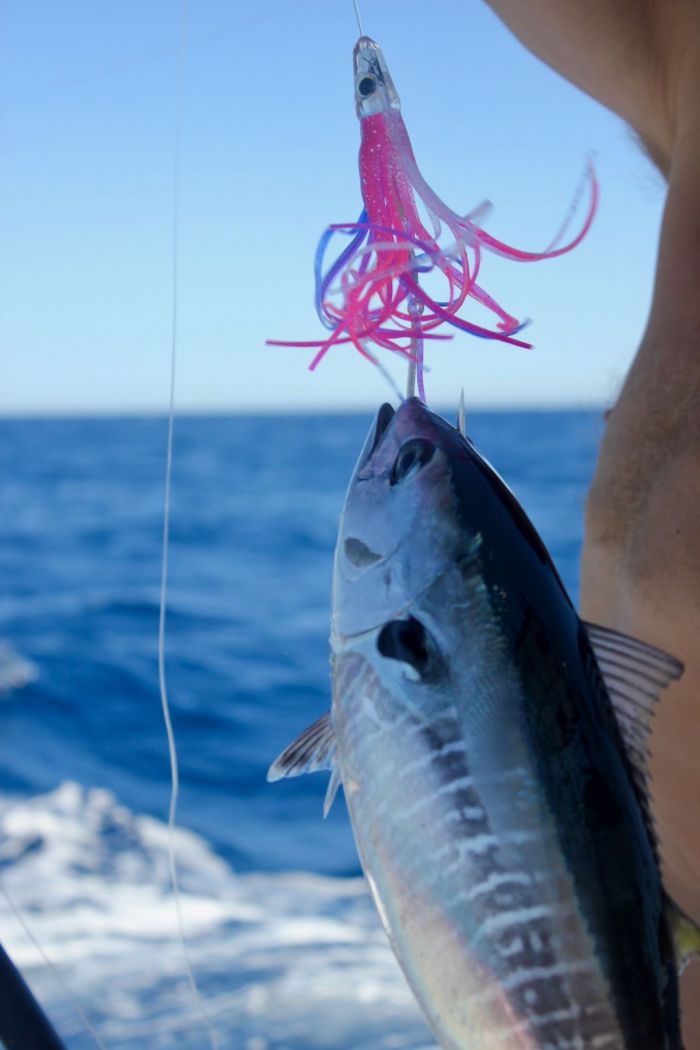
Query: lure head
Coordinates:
[374,88]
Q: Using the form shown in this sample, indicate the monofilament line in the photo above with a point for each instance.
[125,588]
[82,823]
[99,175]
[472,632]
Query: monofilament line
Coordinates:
[357,16]
[54,970]
[172,749]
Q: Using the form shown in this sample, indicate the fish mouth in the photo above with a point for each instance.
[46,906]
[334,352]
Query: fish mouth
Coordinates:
[412,421]
[376,435]
[384,417]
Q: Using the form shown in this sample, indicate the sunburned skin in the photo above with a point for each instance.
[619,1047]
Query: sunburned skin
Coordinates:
[641,561]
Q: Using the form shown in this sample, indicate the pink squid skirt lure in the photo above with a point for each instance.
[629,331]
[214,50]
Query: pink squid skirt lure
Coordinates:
[372,294]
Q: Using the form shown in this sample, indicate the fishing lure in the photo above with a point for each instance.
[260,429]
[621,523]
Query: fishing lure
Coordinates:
[373,294]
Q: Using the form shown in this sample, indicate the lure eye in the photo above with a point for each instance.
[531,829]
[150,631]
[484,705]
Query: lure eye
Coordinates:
[366,86]
[411,458]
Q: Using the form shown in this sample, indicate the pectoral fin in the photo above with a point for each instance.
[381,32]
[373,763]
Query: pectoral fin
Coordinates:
[313,751]
[635,674]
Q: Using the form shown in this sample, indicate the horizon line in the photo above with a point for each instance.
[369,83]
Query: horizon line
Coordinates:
[195,412]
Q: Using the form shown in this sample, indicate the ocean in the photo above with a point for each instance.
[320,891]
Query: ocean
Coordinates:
[282,936]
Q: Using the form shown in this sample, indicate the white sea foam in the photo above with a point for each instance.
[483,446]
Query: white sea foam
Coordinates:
[287,960]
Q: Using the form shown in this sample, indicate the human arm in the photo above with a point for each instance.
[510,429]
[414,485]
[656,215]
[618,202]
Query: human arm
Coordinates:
[641,558]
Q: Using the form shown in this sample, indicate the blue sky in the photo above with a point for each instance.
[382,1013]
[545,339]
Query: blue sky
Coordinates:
[268,159]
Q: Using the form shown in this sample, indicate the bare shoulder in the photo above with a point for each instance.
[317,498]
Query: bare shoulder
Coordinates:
[641,558]
[645,497]
[641,575]
[625,53]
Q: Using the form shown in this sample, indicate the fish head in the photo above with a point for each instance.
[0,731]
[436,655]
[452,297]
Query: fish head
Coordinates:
[374,88]
[401,525]
[422,500]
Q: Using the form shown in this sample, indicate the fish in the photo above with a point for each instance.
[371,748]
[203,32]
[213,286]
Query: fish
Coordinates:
[493,752]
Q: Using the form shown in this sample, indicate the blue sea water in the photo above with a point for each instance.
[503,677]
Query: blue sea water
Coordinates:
[283,938]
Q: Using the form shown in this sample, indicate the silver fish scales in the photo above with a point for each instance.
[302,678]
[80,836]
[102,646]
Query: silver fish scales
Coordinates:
[495,783]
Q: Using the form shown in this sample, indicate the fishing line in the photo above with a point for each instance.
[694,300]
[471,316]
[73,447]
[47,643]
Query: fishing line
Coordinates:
[53,969]
[162,682]
[357,16]
[384,372]
[411,380]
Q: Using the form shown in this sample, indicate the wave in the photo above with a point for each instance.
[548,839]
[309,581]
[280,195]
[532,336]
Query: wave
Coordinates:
[287,961]
[15,671]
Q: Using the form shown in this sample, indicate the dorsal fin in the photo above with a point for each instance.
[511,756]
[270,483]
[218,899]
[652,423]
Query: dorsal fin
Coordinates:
[462,416]
[635,674]
[313,751]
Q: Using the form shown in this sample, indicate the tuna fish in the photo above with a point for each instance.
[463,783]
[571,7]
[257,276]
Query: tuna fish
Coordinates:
[492,751]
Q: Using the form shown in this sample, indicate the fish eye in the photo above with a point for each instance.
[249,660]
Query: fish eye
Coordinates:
[412,456]
[409,642]
[366,86]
